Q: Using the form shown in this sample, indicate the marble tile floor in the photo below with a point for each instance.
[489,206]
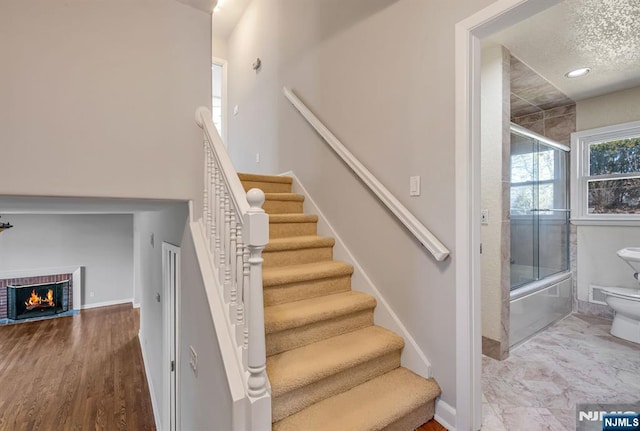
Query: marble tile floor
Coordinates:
[573,361]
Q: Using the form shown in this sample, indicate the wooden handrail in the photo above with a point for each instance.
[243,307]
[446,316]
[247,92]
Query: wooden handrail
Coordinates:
[426,238]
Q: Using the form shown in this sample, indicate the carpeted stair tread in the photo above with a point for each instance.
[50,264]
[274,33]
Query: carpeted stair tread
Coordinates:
[300,313]
[298,243]
[284,197]
[308,364]
[373,405]
[309,271]
[293,218]
[257,178]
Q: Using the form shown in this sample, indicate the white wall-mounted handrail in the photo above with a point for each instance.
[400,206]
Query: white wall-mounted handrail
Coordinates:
[426,238]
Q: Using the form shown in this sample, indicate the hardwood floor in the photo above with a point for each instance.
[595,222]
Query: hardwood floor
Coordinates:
[432,425]
[75,373]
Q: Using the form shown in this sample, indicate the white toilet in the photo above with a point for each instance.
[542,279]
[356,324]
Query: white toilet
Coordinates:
[625,301]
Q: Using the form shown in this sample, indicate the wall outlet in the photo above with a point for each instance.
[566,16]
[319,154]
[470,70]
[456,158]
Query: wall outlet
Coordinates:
[414,186]
[91,294]
[484,218]
[257,157]
[235,110]
[193,360]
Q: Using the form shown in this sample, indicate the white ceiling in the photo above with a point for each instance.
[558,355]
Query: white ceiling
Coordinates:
[226,15]
[601,34]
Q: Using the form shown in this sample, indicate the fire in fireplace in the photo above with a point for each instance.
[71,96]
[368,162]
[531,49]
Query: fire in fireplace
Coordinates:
[36,300]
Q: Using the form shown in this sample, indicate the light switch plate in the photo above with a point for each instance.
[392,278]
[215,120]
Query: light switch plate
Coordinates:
[414,186]
[485,217]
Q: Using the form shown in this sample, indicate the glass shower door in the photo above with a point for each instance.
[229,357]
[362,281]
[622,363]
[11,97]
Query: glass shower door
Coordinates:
[552,211]
[539,214]
[523,218]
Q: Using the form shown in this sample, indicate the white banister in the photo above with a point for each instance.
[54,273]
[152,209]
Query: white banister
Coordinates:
[237,229]
[426,238]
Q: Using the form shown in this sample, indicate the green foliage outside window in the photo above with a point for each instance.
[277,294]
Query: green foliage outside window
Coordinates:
[615,196]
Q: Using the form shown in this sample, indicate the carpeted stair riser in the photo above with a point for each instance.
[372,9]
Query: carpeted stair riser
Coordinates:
[283,203]
[296,324]
[266,183]
[296,400]
[303,376]
[283,293]
[283,230]
[281,341]
[414,419]
[266,187]
[396,401]
[296,256]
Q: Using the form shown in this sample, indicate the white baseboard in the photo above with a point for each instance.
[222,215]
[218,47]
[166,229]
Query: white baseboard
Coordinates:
[154,402]
[136,305]
[107,303]
[445,415]
[412,356]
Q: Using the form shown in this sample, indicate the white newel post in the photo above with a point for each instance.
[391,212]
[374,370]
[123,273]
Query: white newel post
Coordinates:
[256,224]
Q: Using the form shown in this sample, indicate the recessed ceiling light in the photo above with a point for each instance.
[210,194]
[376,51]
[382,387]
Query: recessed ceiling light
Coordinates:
[577,73]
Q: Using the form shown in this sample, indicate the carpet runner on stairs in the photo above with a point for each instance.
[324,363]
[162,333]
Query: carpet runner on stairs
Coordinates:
[330,367]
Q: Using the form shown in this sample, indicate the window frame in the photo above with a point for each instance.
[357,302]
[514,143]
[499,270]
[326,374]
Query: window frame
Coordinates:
[580,143]
[224,64]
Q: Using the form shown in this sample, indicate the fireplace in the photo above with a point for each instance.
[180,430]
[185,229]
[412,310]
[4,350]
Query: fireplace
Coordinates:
[36,300]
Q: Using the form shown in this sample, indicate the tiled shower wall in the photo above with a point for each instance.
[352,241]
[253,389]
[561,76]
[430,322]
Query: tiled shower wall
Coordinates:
[33,280]
[556,123]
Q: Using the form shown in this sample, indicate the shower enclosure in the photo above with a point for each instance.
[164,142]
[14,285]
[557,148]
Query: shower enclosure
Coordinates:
[539,218]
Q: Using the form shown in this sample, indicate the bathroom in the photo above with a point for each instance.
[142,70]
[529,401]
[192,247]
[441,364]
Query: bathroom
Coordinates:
[548,253]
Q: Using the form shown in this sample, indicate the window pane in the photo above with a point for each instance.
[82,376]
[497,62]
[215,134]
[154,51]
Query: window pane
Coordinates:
[545,196]
[618,196]
[615,157]
[521,200]
[522,168]
[546,165]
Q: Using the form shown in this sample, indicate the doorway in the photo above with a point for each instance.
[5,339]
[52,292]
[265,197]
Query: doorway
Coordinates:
[170,280]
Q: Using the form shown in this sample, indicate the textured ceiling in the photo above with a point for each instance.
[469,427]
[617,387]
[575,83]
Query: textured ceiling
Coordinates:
[601,34]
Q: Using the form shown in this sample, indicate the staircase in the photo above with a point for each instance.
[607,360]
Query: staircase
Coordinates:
[330,366]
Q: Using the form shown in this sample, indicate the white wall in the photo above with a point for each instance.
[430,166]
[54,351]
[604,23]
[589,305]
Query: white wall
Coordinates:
[219,48]
[102,244]
[495,109]
[166,226]
[98,97]
[613,108]
[380,74]
[597,261]
[205,401]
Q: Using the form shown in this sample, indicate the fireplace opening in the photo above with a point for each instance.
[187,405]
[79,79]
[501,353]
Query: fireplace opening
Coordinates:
[35,300]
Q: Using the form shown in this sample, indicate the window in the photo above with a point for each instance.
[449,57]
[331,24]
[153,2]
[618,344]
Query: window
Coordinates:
[218,96]
[527,170]
[606,175]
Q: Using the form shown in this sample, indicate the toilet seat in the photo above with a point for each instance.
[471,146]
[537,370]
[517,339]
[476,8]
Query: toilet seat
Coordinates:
[623,293]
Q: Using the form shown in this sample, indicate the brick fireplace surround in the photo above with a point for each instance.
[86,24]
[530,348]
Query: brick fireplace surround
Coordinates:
[33,280]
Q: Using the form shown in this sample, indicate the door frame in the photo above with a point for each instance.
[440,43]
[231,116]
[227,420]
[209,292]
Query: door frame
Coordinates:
[468,33]
[170,331]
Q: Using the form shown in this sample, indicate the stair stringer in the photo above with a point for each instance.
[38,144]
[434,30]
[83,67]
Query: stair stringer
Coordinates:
[412,357]
[231,354]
